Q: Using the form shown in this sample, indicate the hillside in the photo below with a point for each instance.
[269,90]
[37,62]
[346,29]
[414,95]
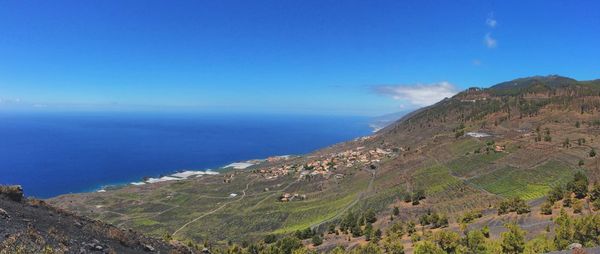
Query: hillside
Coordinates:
[477,152]
[32,226]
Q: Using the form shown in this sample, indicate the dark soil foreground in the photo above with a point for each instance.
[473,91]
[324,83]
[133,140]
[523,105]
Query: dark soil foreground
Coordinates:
[32,226]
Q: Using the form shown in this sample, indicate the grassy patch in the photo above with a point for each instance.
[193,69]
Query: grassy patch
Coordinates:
[144,222]
[433,179]
[525,183]
[466,165]
[464,146]
[304,215]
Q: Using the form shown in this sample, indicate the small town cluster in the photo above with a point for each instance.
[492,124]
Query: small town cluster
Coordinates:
[325,165]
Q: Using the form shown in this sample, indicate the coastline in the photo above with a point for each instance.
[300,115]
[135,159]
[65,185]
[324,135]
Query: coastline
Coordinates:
[185,174]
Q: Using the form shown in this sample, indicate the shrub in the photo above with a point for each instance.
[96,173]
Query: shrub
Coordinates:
[596,204]
[393,246]
[579,185]
[410,228]
[447,240]
[377,235]
[434,219]
[540,244]
[356,231]
[331,228]
[369,216]
[567,201]
[577,206]
[287,245]
[475,241]
[595,192]
[316,240]
[556,193]
[304,234]
[369,248]
[486,231]
[427,247]
[468,217]
[406,197]
[513,241]
[368,232]
[417,196]
[564,230]
[396,211]
[516,204]
[546,208]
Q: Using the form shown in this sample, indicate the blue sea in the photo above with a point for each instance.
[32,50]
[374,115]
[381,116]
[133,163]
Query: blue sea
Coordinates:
[56,153]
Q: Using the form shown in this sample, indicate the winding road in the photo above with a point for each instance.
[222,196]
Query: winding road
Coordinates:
[358,198]
[213,211]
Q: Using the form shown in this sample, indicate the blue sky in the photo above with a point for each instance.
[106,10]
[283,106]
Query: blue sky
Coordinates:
[325,57]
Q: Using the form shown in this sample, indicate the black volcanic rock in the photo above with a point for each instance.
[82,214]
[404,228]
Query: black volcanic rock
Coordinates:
[12,192]
[32,226]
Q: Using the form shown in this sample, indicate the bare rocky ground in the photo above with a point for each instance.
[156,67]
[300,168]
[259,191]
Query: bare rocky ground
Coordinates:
[32,226]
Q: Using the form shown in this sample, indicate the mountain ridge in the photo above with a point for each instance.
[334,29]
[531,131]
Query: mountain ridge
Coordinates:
[480,151]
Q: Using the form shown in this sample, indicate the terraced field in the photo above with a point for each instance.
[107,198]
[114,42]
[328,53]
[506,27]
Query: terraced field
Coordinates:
[525,183]
[433,179]
[464,146]
[470,165]
[202,209]
[458,197]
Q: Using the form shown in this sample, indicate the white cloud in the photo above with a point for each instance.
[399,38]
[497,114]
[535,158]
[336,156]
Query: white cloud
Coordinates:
[10,100]
[418,95]
[491,21]
[490,42]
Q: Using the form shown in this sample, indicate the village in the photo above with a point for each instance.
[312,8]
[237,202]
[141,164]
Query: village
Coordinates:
[326,165]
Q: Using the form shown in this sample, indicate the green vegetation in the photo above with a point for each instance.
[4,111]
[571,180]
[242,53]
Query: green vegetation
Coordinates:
[467,165]
[567,230]
[358,224]
[463,146]
[415,197]
[428,247]
[579,185]
[305,234]
[526,184]
[145,222]
[546,208]
[556,194]
[454,173]
[468,217]
[513,241]
[434,179]
[515,204]
[595,196]
[434,220]
[317,240]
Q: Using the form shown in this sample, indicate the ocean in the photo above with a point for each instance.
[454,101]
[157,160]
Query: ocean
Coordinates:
[55,153]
